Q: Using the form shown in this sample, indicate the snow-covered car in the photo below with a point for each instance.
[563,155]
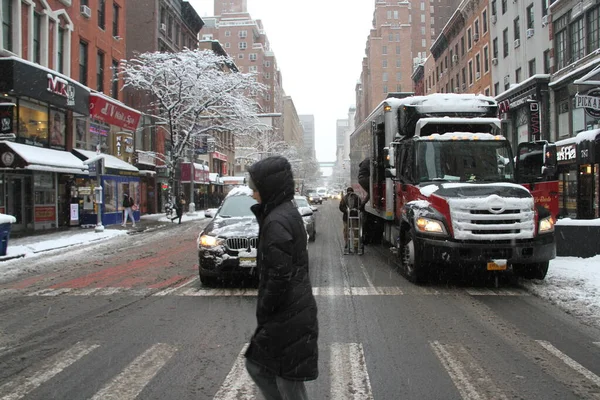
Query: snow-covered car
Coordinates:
[308,216]
[227,246]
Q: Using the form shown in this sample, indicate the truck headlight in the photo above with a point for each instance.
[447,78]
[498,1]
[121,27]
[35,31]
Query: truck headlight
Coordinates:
[546,225]
[427,225]
[209,241]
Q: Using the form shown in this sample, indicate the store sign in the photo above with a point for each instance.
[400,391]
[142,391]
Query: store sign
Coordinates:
[504,106]
[8,158]
[123,146]
[45,214]
[566,153]
[61,87]
[6,118]
[590,102]
[534,120]
[219,156]
[112,113]
[74,212]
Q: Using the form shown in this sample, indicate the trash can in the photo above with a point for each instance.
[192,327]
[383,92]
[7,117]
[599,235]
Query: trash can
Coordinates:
[6,222]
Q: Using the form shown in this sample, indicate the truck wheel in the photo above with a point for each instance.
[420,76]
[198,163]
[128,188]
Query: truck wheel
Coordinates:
[532,271]
[416,271]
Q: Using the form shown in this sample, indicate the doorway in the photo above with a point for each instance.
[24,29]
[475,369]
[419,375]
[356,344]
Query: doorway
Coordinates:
[18,200]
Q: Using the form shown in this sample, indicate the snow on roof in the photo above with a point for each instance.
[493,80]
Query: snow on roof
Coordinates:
[581,136]
[240,191]
[515,86]
[574,71]
[7,219]
[214,178]
[201,167]
[42,159]
[464,136]
[109,161]
[450,102]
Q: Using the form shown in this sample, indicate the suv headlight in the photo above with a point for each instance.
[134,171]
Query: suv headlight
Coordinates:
[432,226]
[546,225]
[209,241]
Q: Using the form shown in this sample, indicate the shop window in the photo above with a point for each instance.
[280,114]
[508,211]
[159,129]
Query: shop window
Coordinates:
[567,192]
[81,133]
[563,119]
[57,129]
[110,196]
[99,135]
[33,124]
[43,187]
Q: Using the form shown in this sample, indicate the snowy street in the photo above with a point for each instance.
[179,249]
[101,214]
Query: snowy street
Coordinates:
[126,317]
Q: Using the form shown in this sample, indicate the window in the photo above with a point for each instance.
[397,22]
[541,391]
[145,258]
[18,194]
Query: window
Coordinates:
[35,127]
[577,44]
[267,63]
[385,89]
[163,16]
[177,34]
[398,63]
[102,14]
[385,76]
[396,14]
[422,30]
[532,67]
[398,50]
[422,6]
[397,37]
[432,32]
[242,45]
[253,57]
[505,42]
[100,72]
[7,25]
[389,14]
[560,42]
[243,34]
[496,89]
[545,6]
[391,37]
[486,60]
[593,28]
[398,87]
[462,46]
[518,75]
[422,18]
[384,50]
[470,72]
[253,68]
[516,28]
[424,42]
[469,39]
[61,50]
[115,19]
[494,8]
[227,33]
[241,56]
[487,91]
[170,26]
[115,80]
[484,19]
[530,17]
[476,27]
[446,62]
[37,49]
[478,64]
[504,4]
[83,62]
[384,64]
[398,76]
[464,77]
[547,66]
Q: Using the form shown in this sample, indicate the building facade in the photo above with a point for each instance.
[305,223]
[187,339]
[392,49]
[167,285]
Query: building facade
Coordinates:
[308,128]
[292,128]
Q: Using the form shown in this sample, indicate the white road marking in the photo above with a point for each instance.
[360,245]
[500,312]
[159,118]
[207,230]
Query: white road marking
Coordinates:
[175,288]
[468,376]
[496,292]
[570,362]
[376,291]
[34,376]
[331,291]
[129,383]
[348,372]
[237,385]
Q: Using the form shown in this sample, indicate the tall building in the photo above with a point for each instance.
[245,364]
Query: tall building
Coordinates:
[341,131]
[308,126]
[246,41]
[292,129]
[399,40]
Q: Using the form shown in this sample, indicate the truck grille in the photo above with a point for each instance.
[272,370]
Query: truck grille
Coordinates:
[492,218]
[241,243]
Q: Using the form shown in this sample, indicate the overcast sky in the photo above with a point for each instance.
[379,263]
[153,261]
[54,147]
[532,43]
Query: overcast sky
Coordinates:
[319,46]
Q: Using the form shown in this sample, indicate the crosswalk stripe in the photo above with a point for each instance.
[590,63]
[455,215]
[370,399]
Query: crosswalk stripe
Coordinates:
[129,383]
[570,362]
[237,385]
[174,288]
[496,292]
[348,372]
[35,376]
[468,376]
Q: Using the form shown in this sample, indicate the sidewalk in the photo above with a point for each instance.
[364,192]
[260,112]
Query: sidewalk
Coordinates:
[41,242]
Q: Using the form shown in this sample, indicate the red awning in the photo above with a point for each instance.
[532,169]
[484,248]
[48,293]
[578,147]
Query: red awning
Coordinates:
[113,112]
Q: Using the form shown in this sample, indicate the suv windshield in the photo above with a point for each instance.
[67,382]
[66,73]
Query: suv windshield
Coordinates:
[460,161]
[237,206]
[301,202]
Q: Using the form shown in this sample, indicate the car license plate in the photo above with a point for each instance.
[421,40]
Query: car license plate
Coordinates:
[248,261]
[493,266]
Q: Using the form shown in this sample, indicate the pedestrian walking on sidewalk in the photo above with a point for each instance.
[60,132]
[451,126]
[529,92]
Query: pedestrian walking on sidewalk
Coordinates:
[179,206]
[283,351]
[128,202]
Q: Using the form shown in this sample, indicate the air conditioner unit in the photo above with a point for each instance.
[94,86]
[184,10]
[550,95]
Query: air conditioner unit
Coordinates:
[477,75]
[530,33]
[517,43]
[476,37]
[494,19]
[455,58]
[86,11]
[546,20]
[506,79]
[163,27]
[494,61]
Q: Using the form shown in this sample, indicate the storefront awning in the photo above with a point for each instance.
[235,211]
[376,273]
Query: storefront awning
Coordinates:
[112,164]
[215,179]
[113,112]
[22,156]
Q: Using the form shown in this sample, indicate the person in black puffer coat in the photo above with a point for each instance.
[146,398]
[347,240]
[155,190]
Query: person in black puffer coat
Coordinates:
[283,351]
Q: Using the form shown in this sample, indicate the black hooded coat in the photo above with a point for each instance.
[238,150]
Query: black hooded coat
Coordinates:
[285,340]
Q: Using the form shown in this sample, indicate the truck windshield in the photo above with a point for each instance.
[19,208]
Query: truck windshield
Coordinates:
[464,161]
